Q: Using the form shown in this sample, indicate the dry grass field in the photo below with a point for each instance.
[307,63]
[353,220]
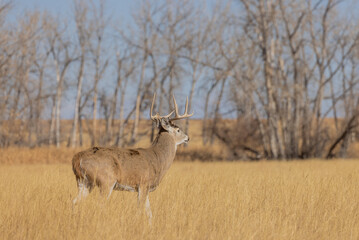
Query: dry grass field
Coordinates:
[313,199]
[221,200]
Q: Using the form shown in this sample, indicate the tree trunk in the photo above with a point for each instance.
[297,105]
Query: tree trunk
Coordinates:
[190,100]
[39,108]
[216,110]
[94,120]
[52,121]
[80,131]
[138,102]
[73,142]
[59,80]
[205,117]
[120,137]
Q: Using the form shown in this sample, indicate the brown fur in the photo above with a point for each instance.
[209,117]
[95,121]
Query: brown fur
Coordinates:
[104,166]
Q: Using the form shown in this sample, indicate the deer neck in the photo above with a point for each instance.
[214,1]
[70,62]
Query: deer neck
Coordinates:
[165,148]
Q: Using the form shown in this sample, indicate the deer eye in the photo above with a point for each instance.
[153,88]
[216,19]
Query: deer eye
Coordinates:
[178,130]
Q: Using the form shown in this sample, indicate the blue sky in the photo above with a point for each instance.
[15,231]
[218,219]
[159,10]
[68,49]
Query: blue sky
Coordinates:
[56,6]
[119,8]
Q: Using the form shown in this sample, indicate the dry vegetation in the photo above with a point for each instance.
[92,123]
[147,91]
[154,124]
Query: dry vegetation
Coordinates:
[262,200]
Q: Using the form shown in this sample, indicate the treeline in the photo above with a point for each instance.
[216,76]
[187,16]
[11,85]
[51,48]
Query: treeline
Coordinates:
[281,68]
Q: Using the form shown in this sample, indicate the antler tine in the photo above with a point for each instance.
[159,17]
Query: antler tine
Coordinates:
[178,116]
[168,115]
[175,103]
[157,116]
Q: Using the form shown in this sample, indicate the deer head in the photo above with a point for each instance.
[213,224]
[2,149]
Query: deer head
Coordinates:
[165,123]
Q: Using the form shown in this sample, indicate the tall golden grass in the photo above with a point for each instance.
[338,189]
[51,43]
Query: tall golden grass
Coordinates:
[263,200]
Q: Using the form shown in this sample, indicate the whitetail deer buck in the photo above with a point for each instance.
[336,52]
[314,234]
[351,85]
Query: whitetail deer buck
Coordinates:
[137,170]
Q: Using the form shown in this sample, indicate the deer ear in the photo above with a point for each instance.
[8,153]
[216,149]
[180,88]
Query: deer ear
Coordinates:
[165,124]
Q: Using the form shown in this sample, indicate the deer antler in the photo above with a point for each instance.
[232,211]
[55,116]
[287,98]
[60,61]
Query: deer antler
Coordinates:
[157,117]
[185,115]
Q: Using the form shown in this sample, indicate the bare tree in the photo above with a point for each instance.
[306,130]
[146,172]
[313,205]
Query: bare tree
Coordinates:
[60,49]
[100,61]
[83,34]
[143,41]
[125,68]
[300,62]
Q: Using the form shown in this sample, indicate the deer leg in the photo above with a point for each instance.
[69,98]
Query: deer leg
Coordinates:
[84,188]
[143,200]
[148,208]
[111,189]
[141,197]
[106,186]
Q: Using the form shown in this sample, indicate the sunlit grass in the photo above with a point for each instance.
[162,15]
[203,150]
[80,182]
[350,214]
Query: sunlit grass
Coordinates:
[264,200]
